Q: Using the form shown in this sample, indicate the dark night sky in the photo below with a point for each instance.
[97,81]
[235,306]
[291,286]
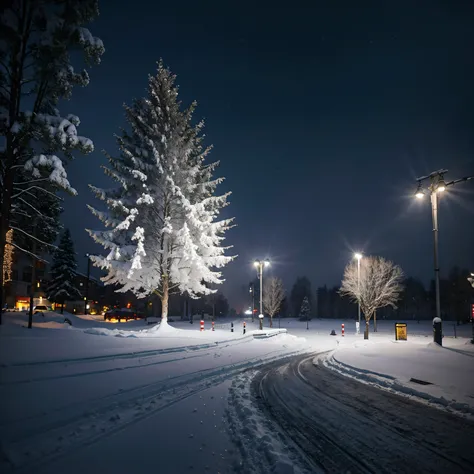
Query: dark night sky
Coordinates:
[322,114]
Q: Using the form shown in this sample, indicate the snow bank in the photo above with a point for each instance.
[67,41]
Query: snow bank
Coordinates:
[440,376]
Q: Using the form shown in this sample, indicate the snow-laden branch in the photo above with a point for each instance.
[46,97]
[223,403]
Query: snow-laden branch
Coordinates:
[37,188]
[40,214]
[33,237]
[57,175]
[37,257]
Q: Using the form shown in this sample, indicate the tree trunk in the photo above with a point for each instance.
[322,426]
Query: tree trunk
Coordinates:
[32,290]
[271,321]
[375,321]
[366,332]
[62,307]
[165,299]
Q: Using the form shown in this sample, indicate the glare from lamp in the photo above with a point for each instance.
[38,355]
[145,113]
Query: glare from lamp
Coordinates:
[267,262]
[358,256]
[420,194]
[256,263]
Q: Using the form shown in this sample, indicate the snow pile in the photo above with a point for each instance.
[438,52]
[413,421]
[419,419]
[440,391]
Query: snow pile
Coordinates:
[439,376]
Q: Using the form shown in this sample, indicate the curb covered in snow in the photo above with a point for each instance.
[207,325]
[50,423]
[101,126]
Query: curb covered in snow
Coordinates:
[391,384]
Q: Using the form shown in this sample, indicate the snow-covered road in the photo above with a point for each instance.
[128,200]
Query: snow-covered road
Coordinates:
[337,424]
[63,411]
[175,399]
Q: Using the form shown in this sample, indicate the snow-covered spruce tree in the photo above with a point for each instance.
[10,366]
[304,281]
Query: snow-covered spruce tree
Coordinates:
[163,233]
[36,72]
[63,272]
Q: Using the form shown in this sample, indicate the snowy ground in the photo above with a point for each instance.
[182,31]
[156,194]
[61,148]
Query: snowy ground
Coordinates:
[72,393]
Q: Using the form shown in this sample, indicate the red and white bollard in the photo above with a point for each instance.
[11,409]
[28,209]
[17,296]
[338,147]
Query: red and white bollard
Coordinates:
[202,324]
[245,324]
[212,325]
[342,329]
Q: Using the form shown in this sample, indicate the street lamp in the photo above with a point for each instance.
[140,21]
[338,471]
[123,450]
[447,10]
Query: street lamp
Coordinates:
[260,264]
[358,257]
[252,292]
[86,297]
[437,185]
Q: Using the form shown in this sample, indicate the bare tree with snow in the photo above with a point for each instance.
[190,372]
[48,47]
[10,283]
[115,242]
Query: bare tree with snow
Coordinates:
[163,232]
[37,38]
[379,285]
[273,295]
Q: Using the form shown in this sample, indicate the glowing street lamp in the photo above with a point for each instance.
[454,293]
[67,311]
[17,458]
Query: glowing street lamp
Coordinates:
[437,185]
[260,264]
[358,257]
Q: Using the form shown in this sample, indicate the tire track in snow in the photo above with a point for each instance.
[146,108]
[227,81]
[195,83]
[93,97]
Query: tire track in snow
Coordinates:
[44,444]
[341,424]
[131,355]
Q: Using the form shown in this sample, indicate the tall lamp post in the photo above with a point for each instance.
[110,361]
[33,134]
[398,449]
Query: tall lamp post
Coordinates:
[252,292]
[437,185]
[358,257]
[86,297]
[260,264]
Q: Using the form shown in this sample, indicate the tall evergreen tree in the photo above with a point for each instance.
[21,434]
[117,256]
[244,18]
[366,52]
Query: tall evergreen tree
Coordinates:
[305,309]
[63,272]
[36,73]
[300,290]
[163,231]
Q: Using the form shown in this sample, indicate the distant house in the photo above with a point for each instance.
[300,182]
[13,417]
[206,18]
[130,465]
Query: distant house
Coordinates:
[17,290]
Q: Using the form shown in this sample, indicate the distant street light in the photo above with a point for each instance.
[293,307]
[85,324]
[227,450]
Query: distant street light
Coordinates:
[358,257]
[260,264]
[252,292]
[437,186]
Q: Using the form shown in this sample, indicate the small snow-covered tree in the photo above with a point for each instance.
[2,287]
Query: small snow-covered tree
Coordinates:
[63,272]
[273,294]
[163,234]
[37,38]
[379,285]
[305,309]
